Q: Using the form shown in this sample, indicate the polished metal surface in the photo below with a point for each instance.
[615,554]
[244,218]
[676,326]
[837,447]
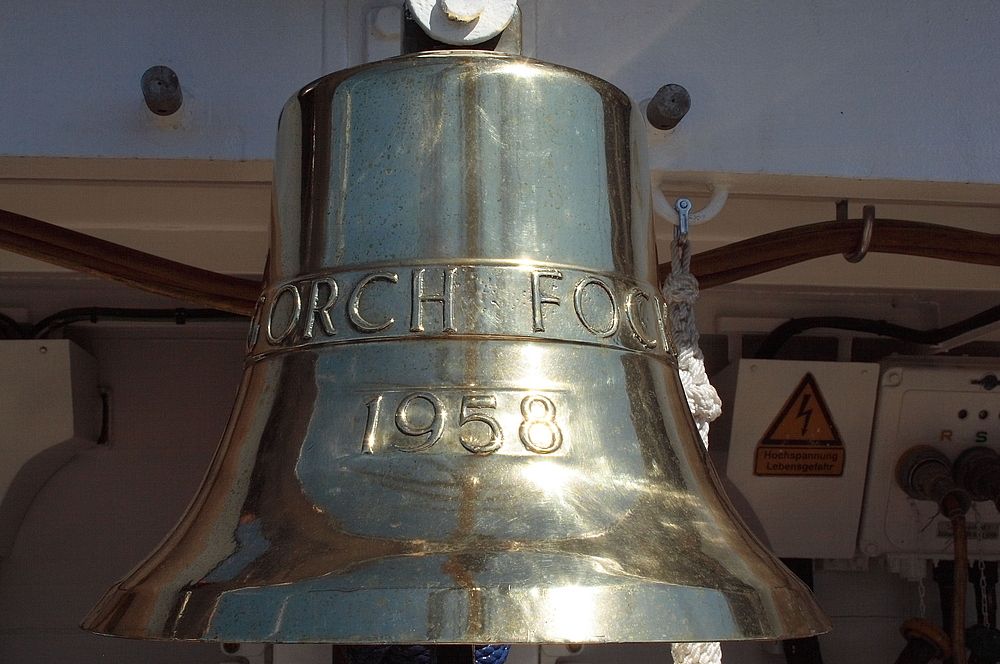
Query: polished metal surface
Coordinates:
[461,420]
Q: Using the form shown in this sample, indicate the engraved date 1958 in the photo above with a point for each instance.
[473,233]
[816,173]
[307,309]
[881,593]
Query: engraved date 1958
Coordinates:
[480,422]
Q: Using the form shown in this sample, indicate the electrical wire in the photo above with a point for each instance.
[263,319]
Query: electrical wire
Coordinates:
[780,335]
[180,316]
[960,537]
[10,328]
[50,324]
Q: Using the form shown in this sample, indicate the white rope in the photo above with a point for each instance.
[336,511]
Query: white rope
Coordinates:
[696,653]
[681,292]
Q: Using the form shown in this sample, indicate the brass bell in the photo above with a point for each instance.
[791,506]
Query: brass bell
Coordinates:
[461,419]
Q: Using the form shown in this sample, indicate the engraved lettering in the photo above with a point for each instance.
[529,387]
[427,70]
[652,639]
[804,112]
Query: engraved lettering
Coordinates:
[422,419]
[407,427]
[480,403]
[293,319]
[539,297]
[446,299]
[535,420]
[662,316]
[343,307]
[254,333]
[946,435]
[634,319]
[578,302]
[371,425]
[354,304]
[321,312]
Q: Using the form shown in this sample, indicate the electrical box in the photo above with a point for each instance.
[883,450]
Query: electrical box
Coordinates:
[952,404]
[793,445]
[50,409]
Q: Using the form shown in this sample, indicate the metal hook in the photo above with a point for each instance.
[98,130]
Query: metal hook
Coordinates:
[683,207]
[867,228]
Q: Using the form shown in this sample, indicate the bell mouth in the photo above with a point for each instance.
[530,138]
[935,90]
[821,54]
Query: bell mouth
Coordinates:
[584,603]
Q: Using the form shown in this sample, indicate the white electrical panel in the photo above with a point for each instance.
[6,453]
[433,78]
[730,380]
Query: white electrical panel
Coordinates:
[49,410]
[798,436]
[952,404]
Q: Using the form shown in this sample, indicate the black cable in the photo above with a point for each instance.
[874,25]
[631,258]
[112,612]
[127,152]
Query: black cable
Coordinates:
[10,328]
[943,574]
[805,650]
[94,314]
[102,437]
[781,334]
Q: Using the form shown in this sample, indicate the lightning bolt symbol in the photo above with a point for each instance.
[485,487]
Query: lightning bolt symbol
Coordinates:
[805,413]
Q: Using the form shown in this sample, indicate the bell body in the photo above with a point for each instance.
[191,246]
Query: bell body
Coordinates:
[461,420]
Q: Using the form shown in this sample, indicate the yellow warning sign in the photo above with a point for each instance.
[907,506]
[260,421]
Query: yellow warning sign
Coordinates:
[803,439]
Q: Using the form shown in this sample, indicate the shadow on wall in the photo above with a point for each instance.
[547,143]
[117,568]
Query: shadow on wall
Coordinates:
[109,507]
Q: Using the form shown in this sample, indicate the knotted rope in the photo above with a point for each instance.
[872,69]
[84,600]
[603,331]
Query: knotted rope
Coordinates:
[681,291]
[696,653]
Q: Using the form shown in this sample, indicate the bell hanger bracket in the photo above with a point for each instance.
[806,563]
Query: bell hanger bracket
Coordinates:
[483,25]
[663,208]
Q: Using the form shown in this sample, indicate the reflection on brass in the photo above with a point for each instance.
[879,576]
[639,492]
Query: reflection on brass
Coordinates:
[461,421]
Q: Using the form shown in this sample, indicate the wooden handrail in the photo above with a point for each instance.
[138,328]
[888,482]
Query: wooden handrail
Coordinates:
[47,242]
[771,251]
[77,251]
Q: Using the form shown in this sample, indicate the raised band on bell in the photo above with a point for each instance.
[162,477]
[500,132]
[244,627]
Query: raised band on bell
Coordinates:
[489,301]
[460,420]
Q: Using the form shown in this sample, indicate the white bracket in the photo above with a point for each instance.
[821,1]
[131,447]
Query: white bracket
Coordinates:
[462,22]
[663,208]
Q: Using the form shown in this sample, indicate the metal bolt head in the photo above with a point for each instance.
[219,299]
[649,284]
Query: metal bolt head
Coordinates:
[668,106]
[387,22]
[892,378]
[463,11]
[161,89]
